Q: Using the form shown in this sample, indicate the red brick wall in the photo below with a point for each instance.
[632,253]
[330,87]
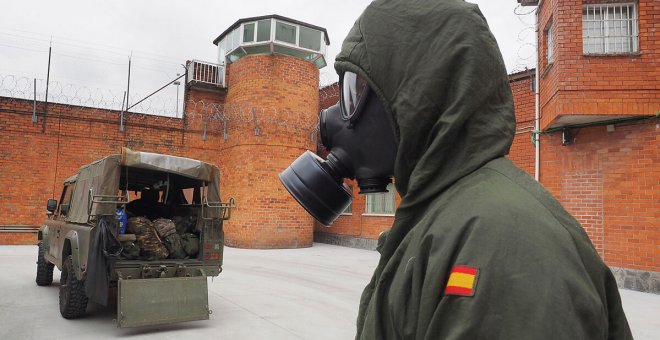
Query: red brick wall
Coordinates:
[577,84]
[36,158]
[18,238]
[610,182]
[281,91]
[522,150]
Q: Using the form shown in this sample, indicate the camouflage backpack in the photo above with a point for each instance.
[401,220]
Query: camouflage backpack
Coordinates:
[151,246]
[167,232]
[137,225]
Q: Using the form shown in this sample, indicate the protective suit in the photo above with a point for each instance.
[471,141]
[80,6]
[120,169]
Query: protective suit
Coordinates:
[478,249]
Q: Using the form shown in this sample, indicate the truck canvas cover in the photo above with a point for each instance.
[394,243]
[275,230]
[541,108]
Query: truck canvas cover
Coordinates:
[99,181]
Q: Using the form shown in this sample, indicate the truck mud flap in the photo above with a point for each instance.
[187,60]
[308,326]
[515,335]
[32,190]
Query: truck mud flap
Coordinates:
[143,302]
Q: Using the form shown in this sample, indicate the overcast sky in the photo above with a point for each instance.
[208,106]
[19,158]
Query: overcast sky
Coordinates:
[92,39]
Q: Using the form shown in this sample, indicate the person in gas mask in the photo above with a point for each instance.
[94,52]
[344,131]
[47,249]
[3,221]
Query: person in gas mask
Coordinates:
[478,249]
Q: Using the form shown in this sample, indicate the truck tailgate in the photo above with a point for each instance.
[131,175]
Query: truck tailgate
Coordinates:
[143,302]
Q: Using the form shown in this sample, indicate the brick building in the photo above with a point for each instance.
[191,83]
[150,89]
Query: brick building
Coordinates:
[254,111]
[599,101]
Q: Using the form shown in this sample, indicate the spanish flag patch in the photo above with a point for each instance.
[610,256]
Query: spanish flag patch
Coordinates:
[462,281]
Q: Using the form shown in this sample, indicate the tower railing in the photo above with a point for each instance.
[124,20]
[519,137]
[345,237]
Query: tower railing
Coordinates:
[206,72]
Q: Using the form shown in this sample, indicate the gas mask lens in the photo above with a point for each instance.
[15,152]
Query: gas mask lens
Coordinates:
[354,89]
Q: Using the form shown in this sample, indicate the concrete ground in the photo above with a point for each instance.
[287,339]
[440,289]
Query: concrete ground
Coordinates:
[308,293]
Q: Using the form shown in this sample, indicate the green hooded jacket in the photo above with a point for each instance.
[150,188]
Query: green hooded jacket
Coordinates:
[478,249]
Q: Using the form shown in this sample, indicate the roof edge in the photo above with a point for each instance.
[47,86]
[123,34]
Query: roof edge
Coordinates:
[528,73]
[272,16]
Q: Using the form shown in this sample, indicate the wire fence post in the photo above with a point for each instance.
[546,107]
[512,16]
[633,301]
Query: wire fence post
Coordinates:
[128,85]
[204,133]
[121,115]
[34,103]
[257,130]
[43,126]
[225,135]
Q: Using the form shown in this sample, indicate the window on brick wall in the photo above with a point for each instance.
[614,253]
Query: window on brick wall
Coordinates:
[549,41]
[609,28]
[382,203]
[349,209]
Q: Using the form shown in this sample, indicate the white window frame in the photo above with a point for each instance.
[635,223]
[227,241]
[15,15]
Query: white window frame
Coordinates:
[240,30]
[391,191]
[608,22]
[349,210]
[274,27]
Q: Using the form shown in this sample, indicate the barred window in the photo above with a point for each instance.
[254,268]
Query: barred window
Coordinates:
[382,203]
[610,28]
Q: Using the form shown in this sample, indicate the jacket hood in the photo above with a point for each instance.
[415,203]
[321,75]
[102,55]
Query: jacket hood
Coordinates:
[437,69]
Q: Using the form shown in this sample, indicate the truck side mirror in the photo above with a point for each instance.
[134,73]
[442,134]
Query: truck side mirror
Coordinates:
[51,205]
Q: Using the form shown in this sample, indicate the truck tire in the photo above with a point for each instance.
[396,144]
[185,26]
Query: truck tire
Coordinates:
[73,301]
[44,268]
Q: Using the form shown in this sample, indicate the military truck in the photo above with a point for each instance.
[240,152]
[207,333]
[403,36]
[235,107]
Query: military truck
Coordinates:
[84,237]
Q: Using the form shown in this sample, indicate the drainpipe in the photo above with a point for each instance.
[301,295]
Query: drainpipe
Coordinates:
[537,81]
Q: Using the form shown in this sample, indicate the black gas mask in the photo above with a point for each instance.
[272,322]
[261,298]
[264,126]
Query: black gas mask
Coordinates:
[360,135]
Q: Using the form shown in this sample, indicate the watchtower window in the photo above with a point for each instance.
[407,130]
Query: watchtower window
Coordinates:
[285,33]
[273,35]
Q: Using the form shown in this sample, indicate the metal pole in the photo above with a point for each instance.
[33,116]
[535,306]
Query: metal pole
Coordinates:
[47,82]
[152,93]
[537,106]
[121,115]
[177,83]
[34,103]
[128,86]
[177,100]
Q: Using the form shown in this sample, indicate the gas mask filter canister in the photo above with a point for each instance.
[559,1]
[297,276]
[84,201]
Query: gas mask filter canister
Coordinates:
[360,135]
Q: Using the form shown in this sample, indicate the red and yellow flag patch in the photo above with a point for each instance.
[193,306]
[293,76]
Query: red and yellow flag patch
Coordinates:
[462,281]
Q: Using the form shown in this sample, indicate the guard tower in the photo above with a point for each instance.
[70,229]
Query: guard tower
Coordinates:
[268,68]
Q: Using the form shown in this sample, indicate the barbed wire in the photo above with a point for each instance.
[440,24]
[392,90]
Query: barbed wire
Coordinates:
[224,119]
[329,92]
[526,52]
[519,10]
[20,87]
[262,120]
[75,95]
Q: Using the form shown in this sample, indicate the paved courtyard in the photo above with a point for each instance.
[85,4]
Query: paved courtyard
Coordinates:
[309,293]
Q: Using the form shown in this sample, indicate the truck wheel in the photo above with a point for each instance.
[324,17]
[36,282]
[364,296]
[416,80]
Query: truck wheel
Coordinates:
[44,268]
[73,301]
